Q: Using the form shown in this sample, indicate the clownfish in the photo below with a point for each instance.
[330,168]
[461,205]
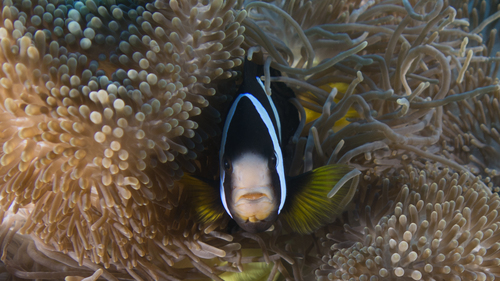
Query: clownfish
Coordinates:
[253,188]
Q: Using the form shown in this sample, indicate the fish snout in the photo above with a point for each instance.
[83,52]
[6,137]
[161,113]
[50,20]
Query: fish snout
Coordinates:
[253,204]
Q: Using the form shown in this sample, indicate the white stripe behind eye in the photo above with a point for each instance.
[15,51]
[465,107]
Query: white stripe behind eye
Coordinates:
[276,146]
[276,116]
[222,192]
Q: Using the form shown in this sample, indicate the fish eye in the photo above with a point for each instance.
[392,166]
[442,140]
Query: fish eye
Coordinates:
[272,160]
[227,164]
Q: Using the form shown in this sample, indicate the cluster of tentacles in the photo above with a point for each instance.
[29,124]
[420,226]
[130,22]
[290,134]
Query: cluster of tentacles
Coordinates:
[106,104]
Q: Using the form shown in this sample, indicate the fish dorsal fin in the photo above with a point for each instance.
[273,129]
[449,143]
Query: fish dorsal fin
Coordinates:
[204,199]
[309,207]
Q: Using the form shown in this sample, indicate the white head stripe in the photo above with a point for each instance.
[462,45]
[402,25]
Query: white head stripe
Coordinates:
[276,116]
[274,138]
[222,192]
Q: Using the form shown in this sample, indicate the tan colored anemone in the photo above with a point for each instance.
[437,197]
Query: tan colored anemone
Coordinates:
[90,151]
[393,57]
[440,227]
[472,141]
[403,62]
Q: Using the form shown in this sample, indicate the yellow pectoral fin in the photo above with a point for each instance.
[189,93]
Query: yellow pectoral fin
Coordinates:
[203,199]
[309,206]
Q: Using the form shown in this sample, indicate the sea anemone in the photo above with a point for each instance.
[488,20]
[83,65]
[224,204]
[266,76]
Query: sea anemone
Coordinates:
[106,105]
[473,141]
[402,62]
[89,147]
[440,227]
[470,126]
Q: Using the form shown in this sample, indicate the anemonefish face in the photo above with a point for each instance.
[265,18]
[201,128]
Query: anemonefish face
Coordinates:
[253,187]
[253,202]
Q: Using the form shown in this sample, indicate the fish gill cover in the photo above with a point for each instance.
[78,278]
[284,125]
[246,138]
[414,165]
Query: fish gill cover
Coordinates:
[105,104]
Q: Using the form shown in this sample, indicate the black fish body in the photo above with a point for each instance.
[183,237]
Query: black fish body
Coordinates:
[254,189]
[252,166]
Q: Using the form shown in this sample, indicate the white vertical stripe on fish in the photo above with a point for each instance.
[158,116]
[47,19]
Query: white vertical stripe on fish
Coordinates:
[222,192]
[276,115]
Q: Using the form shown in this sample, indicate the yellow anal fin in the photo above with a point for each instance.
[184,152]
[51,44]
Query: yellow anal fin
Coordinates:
[203,199]
[309,206]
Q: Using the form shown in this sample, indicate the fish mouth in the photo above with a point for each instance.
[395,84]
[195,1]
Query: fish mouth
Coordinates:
[252,195]
[253,204]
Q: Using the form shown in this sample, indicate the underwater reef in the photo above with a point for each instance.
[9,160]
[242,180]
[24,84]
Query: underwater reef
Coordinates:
[106,104]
